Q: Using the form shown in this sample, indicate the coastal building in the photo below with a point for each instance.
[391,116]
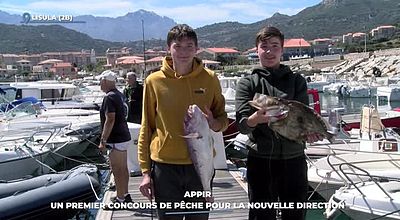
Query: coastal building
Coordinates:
[359,37]
[296,48]
[154,64]
[64,70]
[138,64]
[155,52]
[130,63]
[321,46]
[9,59]
[347,38]
[79,59]
[223,55]
[112,54]
[24,66]
[383,32]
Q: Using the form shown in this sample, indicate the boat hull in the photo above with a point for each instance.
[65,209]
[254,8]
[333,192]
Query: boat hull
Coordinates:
[37,203]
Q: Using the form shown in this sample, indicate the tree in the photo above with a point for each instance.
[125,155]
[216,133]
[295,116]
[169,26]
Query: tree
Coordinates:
[99,67]
[90,67]
[242,60]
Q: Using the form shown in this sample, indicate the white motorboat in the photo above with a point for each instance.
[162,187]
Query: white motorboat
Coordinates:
[359,91]
[389,93]
[377,152]
[325,79]
[324,176]
[372,199]
[33,140]
[52,94]
[29,155]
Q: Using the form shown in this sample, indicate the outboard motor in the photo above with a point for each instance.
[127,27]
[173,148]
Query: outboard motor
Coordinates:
[336,123]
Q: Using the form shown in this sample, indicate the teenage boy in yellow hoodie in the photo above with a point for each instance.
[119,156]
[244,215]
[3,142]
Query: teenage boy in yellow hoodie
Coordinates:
[168,172]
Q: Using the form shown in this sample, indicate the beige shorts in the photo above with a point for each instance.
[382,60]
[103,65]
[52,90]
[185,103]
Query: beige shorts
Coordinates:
[119,146]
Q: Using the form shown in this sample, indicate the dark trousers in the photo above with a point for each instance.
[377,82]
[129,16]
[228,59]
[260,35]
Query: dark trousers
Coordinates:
[283,181]
[171,182]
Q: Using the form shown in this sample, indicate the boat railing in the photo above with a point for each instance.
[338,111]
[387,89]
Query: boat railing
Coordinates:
[32,139]
[30,152]
[366,173]
[337,167]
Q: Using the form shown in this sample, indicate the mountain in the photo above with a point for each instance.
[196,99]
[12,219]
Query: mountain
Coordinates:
[55,38]
[6,18]
[47,38]
[120,29]
[326,19]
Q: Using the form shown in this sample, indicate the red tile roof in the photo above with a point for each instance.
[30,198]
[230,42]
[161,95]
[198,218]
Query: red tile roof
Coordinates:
[130,61]
[359,34]
[210,62]
[62,65]
[296,42]
[252,50]
[50,61]
[155,59]
[129,57]
[222,50]
[386,26]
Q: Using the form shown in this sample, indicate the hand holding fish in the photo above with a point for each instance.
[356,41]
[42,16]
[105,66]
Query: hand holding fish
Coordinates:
[265,115]
[146,187]
[212,122]
[258,117]
[289,118]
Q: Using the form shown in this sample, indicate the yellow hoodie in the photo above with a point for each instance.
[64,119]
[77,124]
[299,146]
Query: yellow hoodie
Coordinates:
[165,102]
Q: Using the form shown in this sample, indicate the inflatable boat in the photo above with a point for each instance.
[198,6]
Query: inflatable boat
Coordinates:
[34,198]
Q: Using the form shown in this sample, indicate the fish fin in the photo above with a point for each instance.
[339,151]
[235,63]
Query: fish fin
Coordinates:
[192,136]
[330,136]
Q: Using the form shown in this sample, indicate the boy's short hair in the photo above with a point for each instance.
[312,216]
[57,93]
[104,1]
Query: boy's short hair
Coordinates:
[179,32]
[268,32]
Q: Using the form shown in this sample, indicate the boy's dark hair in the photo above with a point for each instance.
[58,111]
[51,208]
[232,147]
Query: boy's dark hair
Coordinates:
[268,32]
[180,31]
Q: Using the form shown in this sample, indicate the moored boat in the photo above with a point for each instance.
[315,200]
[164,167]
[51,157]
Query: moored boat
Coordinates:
[33,198]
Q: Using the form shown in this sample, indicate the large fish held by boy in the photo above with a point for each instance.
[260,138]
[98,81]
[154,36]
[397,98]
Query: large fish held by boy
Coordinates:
[292,119]
[200,145]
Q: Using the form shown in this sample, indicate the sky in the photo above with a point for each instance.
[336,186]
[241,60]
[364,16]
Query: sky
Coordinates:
[192,12]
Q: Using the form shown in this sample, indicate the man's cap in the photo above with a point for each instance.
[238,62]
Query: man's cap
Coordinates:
[107,75]
[130,74]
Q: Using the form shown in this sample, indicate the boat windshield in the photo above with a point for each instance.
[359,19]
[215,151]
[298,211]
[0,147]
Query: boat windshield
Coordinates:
[22,110]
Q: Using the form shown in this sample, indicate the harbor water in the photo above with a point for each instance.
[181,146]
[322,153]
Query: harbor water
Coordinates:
[354,105]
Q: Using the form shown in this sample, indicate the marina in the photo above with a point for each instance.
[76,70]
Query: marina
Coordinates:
[94,87]
[229,186]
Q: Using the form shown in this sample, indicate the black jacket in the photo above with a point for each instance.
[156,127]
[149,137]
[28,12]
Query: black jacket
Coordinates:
[134,97]
[281,83]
